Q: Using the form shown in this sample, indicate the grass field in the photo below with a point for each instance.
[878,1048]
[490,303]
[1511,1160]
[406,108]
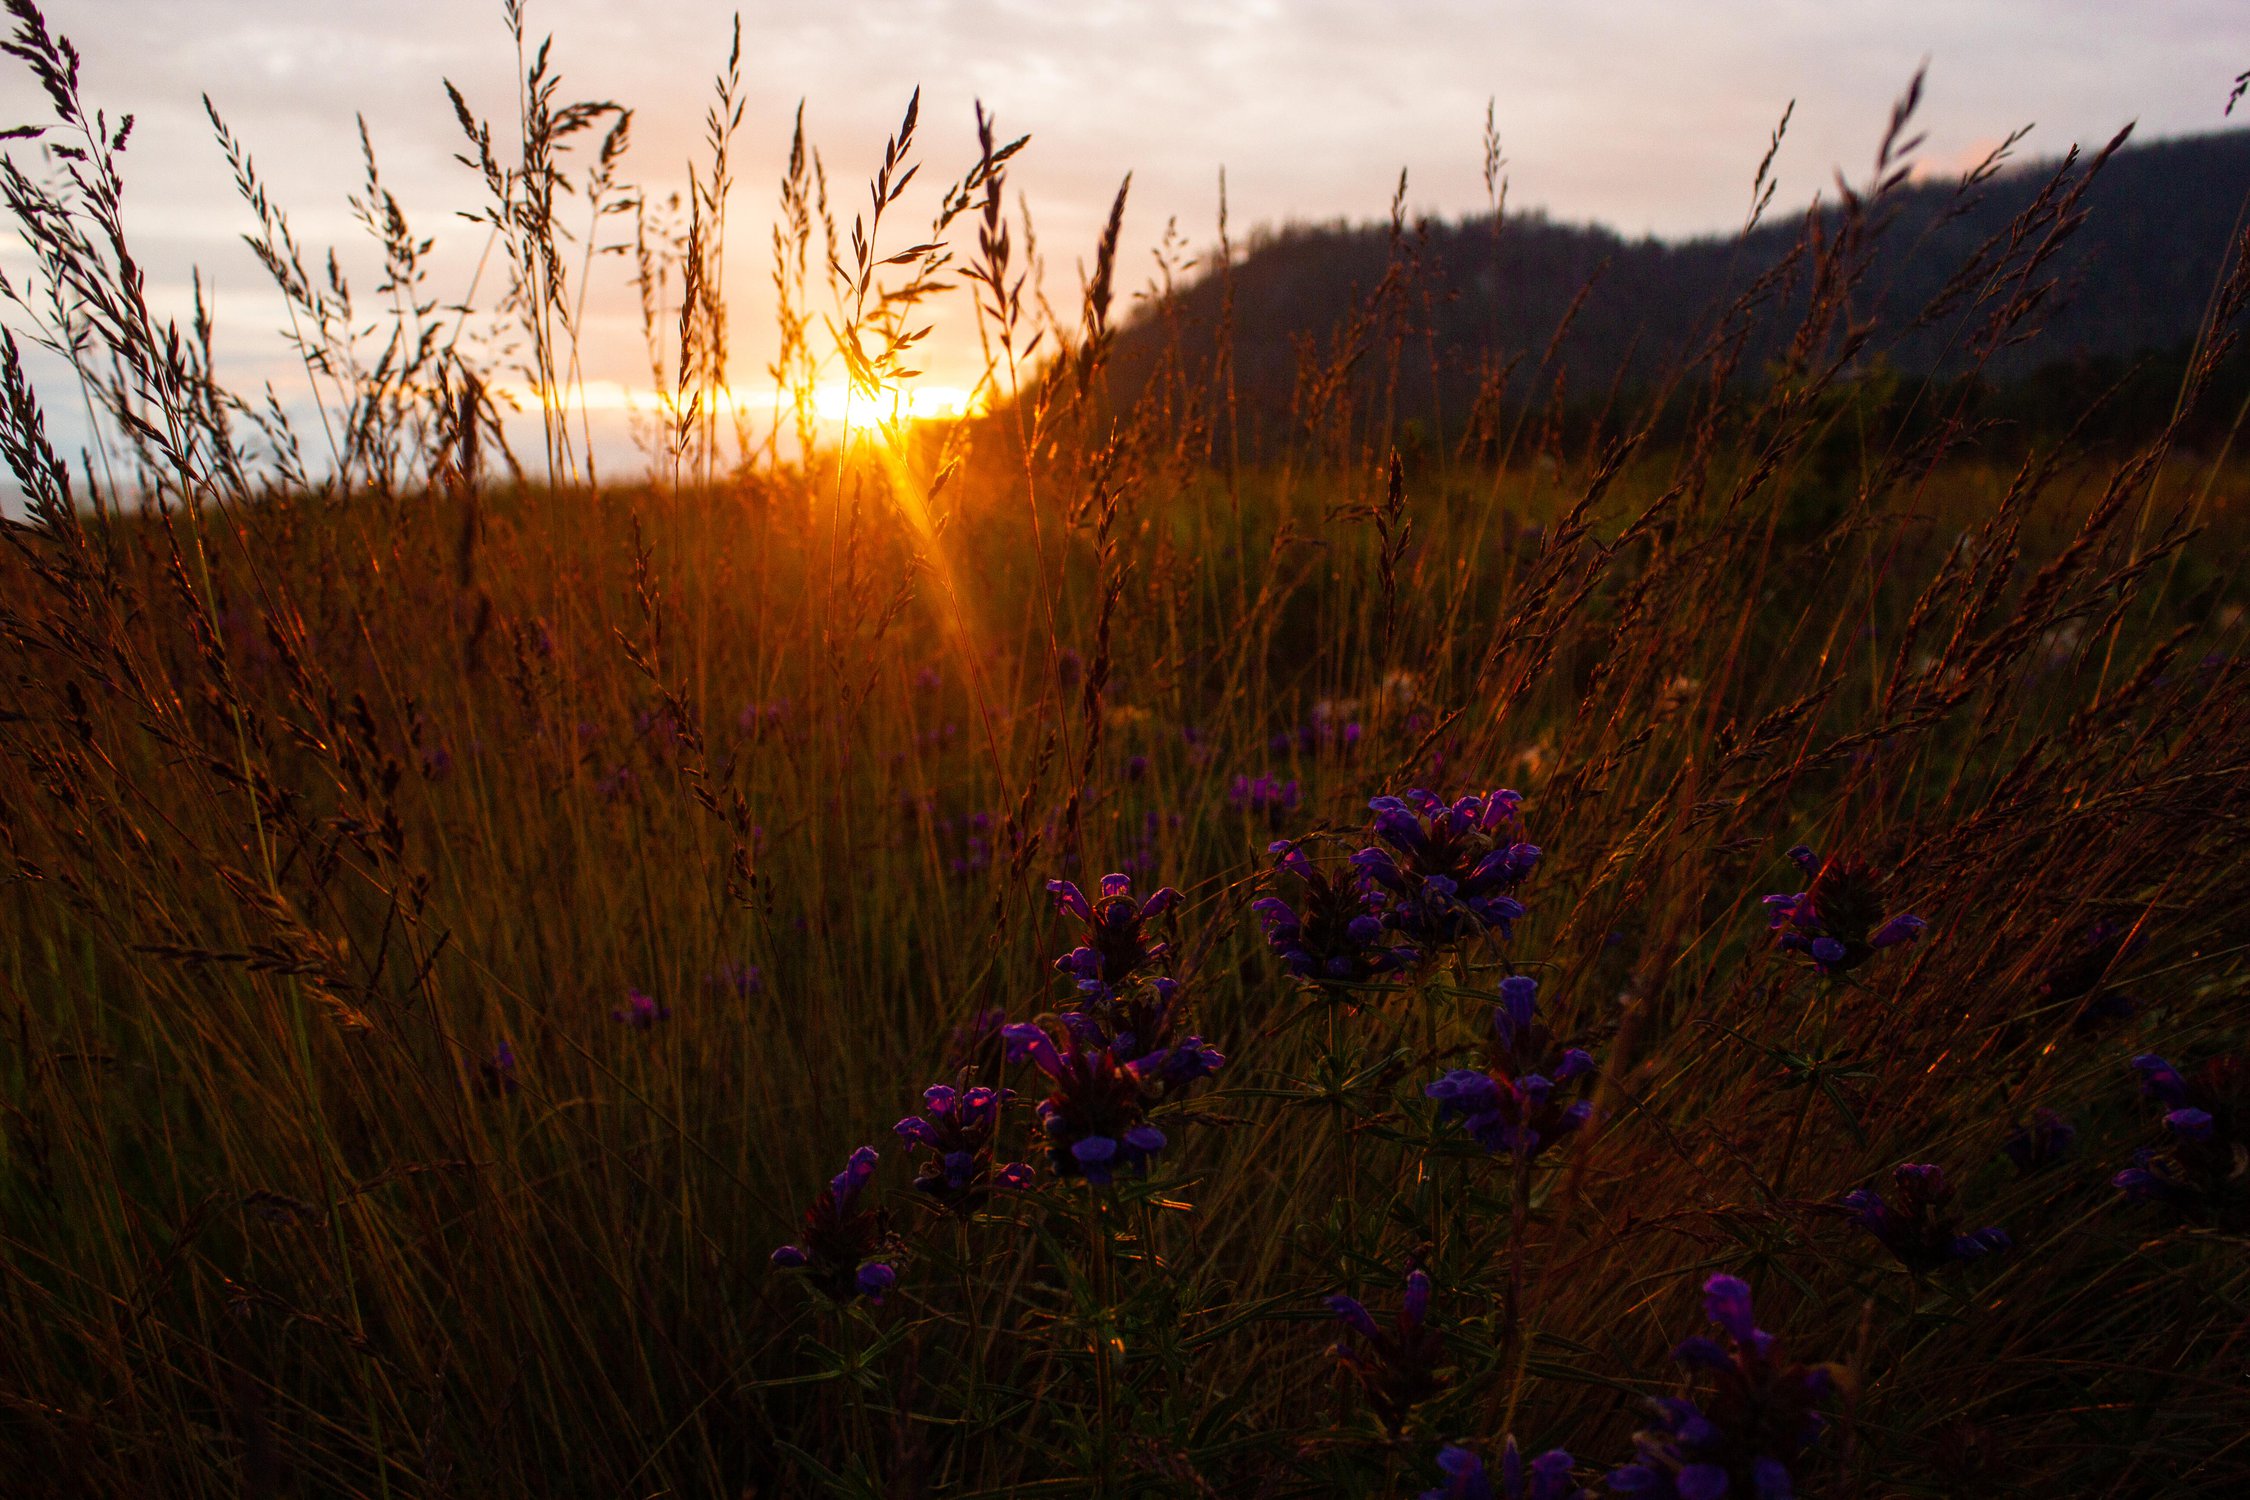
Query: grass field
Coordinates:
[458,918]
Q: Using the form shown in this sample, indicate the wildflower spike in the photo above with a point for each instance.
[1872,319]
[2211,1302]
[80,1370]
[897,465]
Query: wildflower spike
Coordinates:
[1747,1433]
[845,1245]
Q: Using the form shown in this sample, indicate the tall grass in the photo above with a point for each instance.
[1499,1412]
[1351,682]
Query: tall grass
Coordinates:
[346,803]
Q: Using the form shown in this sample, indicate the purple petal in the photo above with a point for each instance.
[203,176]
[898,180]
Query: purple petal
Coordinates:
[2190,1124]
[1726,1301]
[1069,898]
[1518,1002]
[1353,1313]
[1160,903]
[1550,1475]
[2159,1079]
[1416,1306]
[1770,1478]
[1459,1461]
[1897,930]
[1028,1040]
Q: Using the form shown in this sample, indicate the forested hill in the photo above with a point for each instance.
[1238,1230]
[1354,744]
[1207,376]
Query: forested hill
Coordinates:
[2132,280]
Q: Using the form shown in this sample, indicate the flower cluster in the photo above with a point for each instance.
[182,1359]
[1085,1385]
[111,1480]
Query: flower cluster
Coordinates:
[1443,871]
[1095,1116]
[1747,1435]
[844,1244]
[496,1075]
[1398,1367]
[1517,1102]
[2202,1171]
[1332,935]
[1264,796]
[957,1128]
[1921,1228]
[640,1011]
[1139,1025]
[970,838]
[1123,1049]
[740,980]
[1838,920]
[1546,1477]
[1114,946]
[2042,1143]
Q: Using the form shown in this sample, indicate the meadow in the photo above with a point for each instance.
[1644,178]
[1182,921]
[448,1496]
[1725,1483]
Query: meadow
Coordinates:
[1688,943]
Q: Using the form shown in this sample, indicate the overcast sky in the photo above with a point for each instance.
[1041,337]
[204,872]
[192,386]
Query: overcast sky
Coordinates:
[1648,114]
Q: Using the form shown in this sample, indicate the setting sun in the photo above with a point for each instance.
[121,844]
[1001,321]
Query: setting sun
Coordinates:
[834,403]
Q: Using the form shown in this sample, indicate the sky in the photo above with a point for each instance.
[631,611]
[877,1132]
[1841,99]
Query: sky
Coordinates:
[1649,115]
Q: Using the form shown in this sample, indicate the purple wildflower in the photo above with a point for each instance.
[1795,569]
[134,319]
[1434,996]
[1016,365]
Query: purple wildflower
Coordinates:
[1517,1102]
[957,1129]
[1399,1367]
[2202,1171]
[844,1247]
[1141,1024]
[1464,1476]
[1546,1477]
[1145,1037]
[1325,730]
[975,855]
[1745,1436]
[496,1075]
[1264,797]
[1838,919]
[1332,936]
[2160,1081]
[1921,1229]
[759,720]
[737,979]
[1095,1116]
[2042,1143]
[1445,870]
[640,1011]
[1114,945]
